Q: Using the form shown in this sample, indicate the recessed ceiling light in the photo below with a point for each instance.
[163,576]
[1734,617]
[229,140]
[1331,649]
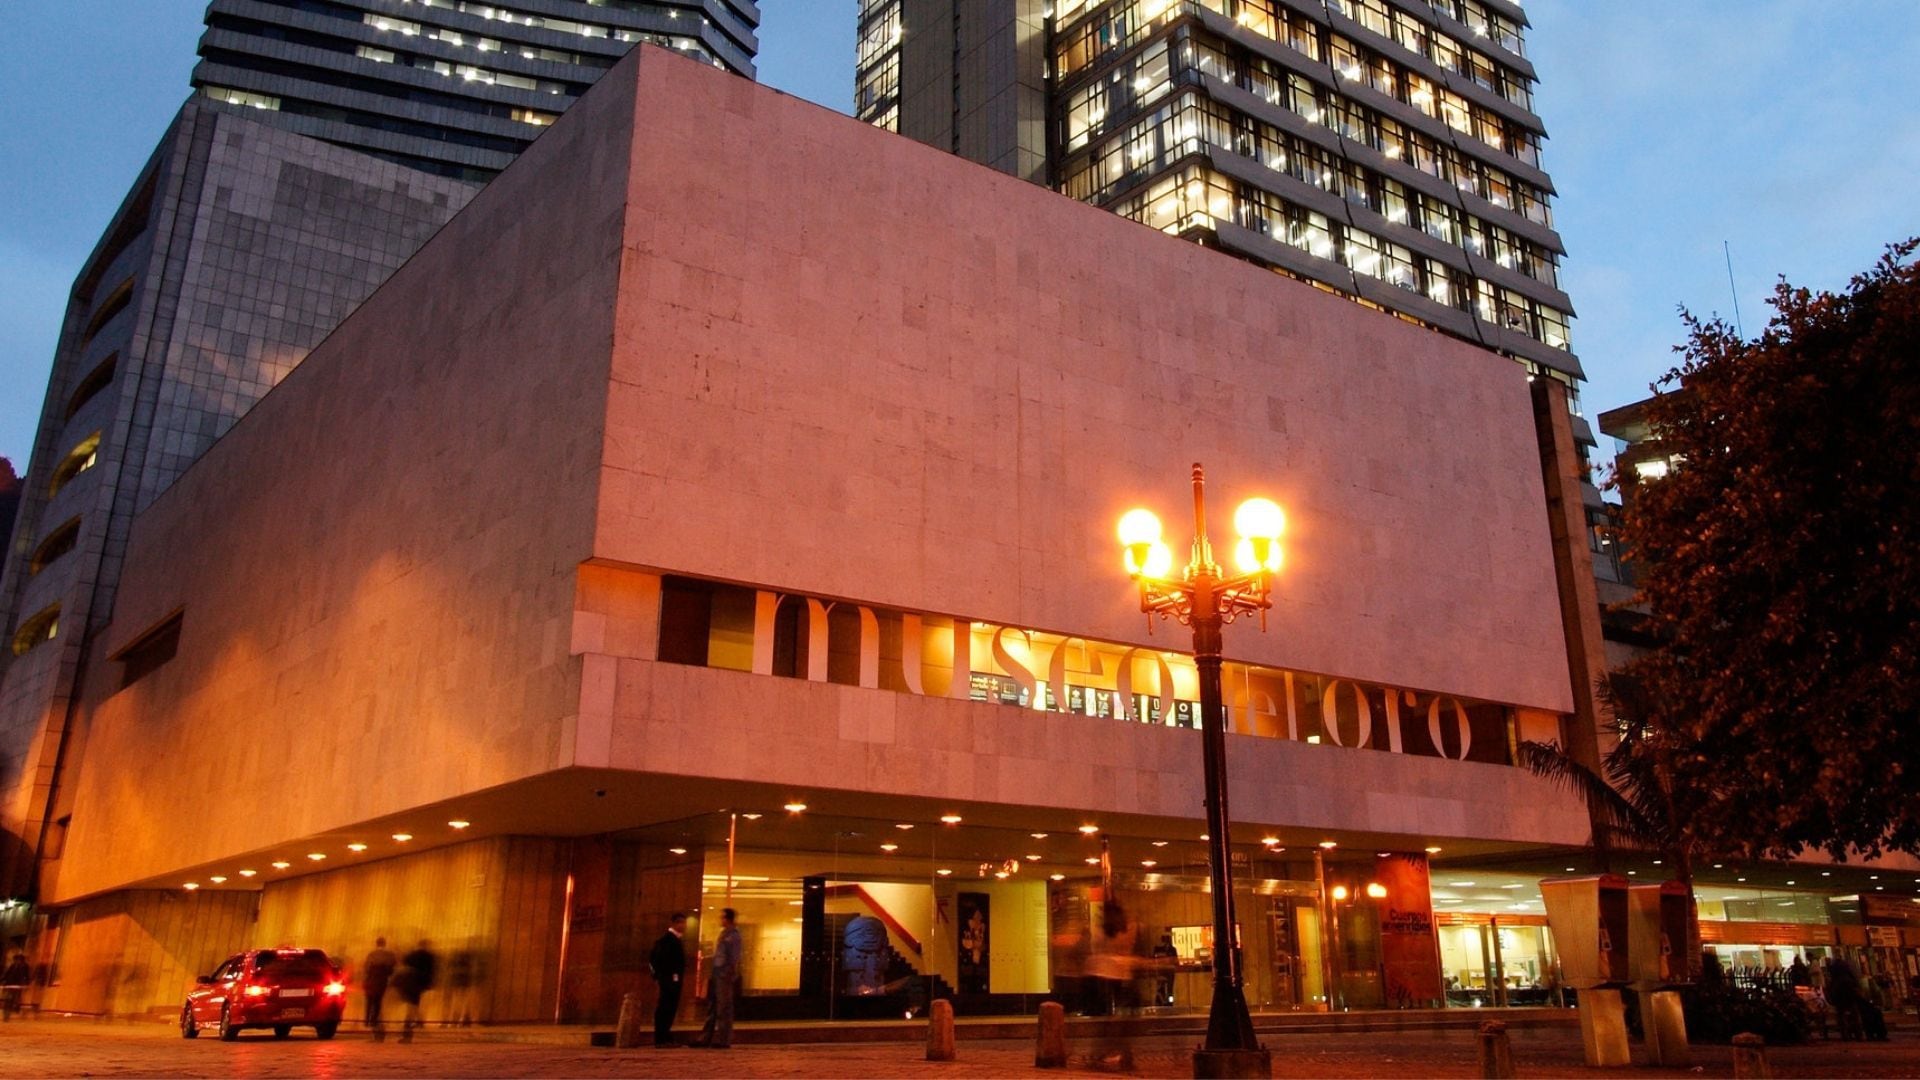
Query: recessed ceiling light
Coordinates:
[456,823]
[678,850]
[1789,882]
[1328,844]
[1089,829]
[1159,843]
[1656,862]
[317,856]
[750,816]
[1093,860]
[356,848]
[1870,877]
[944,872]
[1204,838]
[1270,841]
[1633,873]
[889,847]
[795,807]
[402,837]
[248,873]
[1717,866]
[1056,877]
[218,879]
[1001,874]
[1033,858]
[1148,863]
[1569,869]
[950,819]
[1038,835]
[1432,850]
[191,885]
[281,864]
[903,826]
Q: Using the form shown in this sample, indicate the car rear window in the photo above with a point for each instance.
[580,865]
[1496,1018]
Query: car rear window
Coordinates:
[306,963]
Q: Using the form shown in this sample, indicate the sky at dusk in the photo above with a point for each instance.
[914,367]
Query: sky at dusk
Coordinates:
[1785,128]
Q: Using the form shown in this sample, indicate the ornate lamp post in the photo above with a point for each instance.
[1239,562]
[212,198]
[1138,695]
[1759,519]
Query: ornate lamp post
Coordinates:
[1205,598]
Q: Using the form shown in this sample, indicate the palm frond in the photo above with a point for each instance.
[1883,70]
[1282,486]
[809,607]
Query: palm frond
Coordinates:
[1609,809]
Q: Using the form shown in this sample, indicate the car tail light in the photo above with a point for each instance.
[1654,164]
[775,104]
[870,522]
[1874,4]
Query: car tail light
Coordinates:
[259,991]
[336,989]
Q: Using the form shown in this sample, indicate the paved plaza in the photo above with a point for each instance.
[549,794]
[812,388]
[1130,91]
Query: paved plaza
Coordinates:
[81,1048]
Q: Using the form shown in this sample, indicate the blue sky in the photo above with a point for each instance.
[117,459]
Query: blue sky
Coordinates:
[1787,128]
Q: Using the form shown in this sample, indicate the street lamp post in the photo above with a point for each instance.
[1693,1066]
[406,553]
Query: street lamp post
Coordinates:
[1205,598]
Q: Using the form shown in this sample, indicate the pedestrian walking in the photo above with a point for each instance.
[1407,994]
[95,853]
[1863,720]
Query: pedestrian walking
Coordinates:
[1112,967]
[418,972]
[725,987]
[376,971]
[668,964]
[1843,993]
[13,984]
[464,973]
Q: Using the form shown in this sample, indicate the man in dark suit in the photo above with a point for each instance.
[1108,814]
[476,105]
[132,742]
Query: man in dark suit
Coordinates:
[668,963]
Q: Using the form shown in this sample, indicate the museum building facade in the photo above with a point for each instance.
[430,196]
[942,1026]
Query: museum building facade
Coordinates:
[697,519]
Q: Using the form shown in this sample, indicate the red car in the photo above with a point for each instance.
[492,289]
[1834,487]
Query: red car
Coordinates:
[268,988]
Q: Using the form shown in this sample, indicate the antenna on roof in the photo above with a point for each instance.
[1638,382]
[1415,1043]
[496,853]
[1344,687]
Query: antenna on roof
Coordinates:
[1727,247]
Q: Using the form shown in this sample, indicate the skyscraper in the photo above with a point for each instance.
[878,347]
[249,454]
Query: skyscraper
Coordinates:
[326,142]
[446,86]
[1386,150]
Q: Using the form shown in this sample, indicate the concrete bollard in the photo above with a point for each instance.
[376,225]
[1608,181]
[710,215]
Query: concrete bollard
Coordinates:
[1496,1051]
[1750,1057]
[940,1031]
[1050,1047]
[626,1034]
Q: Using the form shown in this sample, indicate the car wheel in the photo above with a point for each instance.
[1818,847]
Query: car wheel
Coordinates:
[228,1030]
[281,1031]
[188,1029]
[325,1031]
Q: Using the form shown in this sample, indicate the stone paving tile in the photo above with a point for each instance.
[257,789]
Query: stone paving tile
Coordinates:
[51,1048]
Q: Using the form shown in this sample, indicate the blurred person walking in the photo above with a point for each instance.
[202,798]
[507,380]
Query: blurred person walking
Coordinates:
[419,970]
[13,984]
[376,971]
[1112,968]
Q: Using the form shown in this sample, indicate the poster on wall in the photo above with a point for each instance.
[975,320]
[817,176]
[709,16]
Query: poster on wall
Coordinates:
[975,950]
[1408,949]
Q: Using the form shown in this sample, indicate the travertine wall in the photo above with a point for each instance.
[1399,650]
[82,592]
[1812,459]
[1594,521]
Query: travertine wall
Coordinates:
[865,369]
[376,564]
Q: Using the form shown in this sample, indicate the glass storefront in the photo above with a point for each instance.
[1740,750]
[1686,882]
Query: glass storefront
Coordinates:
[1495,947]
[865,918]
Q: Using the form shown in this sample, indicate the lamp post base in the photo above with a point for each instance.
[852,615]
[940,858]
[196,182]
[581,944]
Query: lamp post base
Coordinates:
[1232,1064]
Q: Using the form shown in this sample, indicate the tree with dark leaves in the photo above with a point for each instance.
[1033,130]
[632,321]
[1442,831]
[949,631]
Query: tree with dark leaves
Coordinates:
[1779,565]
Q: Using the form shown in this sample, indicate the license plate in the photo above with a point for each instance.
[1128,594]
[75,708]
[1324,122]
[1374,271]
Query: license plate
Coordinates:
[291,993]
[293,1014]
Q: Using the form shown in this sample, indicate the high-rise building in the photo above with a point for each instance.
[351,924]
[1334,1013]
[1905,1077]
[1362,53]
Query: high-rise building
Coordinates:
[447,86]
[327,141]
[1386,150]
